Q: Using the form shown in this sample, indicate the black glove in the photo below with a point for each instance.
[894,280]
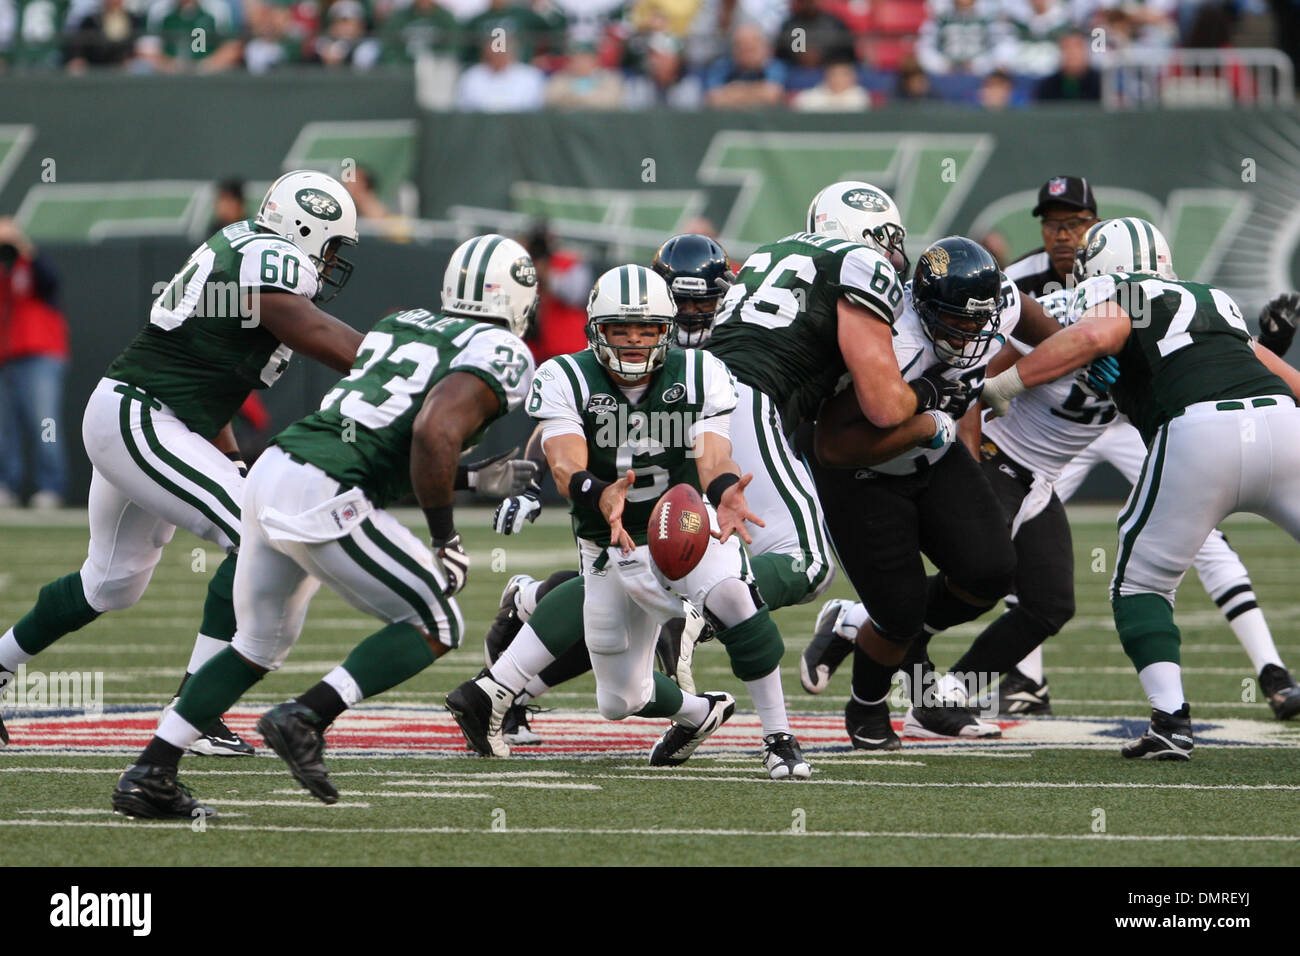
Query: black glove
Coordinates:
[455,562]
[1278,321]
[933,391]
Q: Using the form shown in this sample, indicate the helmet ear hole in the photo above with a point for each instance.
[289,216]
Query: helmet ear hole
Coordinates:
[304,231]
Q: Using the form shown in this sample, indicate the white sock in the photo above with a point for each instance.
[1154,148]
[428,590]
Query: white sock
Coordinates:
[536,688]
[524,659]
[526,599]
[177,731]
[345,684]
[694,710]
[1032,665]
[851,620]
[1163,682]
[1252,630]
[769,701]
[205,648]
[12,656]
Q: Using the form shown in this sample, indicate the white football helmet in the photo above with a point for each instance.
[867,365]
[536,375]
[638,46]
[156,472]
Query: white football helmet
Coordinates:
[316,214]
[623,295]
[493,279]
[860,212]
[1128,245]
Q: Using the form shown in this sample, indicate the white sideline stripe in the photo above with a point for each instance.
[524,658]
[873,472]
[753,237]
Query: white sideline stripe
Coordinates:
[423,794]
[562,831]
[973,785]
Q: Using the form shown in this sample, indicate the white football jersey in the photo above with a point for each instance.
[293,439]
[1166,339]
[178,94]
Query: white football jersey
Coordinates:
[915,354]
[1051,423]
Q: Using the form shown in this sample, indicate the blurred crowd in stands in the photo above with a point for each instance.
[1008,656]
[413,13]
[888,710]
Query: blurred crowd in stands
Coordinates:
[629,54]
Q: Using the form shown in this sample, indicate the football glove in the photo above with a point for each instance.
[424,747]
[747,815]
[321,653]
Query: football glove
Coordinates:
[934,391]
[1277,323]
[511,514]
[1099,375]
[501,476]
[454,562]
[945,429]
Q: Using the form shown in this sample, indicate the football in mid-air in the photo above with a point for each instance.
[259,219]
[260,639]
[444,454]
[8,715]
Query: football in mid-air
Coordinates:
[678,532]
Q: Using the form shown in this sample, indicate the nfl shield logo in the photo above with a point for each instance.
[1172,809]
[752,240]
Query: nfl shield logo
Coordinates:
[349,513]
[1057,187]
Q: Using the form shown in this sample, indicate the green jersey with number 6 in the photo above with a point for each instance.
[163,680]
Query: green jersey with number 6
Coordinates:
[778,329]
[361,434]
[653,436]
[203,350]
[1189,344]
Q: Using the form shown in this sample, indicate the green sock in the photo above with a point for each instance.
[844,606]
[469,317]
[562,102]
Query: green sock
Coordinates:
[218,684]
[1147,630]
[777,580]
[754,646]
[60,608]
[219,606]
[558,618]
[388,657]
[666,701]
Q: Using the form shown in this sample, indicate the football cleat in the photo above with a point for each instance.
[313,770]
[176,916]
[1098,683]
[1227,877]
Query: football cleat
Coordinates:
[937,723]
[152,792]
[868,726]
[218,740]
[679,741]
[507,622]
[480,707]
[1018,694]
[515,728]
[290,730]
[1168,738]
[4,734]
[783,759]
[668,646]
[6,678]
[1279,687]
[827,649]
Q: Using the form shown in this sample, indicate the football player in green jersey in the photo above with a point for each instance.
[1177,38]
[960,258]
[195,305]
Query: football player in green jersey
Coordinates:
[1222,429]
[157,427]
[425,385]
[622,422]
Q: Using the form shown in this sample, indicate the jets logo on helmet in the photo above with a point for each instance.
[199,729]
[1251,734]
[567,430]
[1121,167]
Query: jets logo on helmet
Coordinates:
[629,295]
[1129,245]
[315,213]
[492,279]
[860,212]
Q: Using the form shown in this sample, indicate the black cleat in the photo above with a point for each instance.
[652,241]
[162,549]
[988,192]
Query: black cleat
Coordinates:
[1168,738]
[783,759]
[220,741]
[868,726]
[1279,689]
[515,728]
[827,649]
[1019,695]
[942,721]
[679,742]
[4,734]
[507,622]
[290,730]
[151,791]
[479,707]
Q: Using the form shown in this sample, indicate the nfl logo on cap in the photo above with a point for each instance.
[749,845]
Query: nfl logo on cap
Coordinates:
[1057,186]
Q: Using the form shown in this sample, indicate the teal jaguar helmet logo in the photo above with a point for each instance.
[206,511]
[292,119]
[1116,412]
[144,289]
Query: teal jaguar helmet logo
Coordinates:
[524,272]
[866,199]
[320,204]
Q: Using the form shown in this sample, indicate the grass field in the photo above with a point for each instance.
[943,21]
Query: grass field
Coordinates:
[1052,792]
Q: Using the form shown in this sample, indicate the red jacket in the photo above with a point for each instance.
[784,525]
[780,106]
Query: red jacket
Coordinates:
[29,325]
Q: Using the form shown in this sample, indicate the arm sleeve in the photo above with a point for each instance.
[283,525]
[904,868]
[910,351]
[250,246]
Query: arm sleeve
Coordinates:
[867,279]
[503,361]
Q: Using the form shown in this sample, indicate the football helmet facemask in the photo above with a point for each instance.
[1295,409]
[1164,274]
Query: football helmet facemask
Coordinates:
[492,279]
[1128,245]
[860,212]
[315,213]
[697,271]
[629,295]
[957,293]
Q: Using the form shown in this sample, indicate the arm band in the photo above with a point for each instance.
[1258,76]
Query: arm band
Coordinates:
[719,485]
[585,489]
[441,525]
[462,482]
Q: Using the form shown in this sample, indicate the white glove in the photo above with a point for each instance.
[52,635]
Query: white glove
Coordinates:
[511,514]
[1001,389]
[451,556]
[945,429]
[501,475]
